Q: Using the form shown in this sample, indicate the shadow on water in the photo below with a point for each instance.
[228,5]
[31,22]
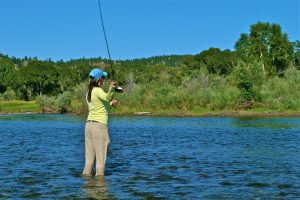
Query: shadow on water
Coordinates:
[267,123]
[42,117]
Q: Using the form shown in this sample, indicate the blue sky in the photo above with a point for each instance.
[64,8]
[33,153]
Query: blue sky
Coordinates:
[70,29]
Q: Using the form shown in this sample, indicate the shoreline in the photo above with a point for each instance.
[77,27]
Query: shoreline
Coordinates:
[30,107]
[208,114]
[241,113]
[218,114]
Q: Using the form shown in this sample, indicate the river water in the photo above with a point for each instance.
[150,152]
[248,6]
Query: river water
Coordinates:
[42,156]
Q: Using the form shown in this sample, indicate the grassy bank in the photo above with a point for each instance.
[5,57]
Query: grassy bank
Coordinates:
[208,113]
[18,107]
[7,107]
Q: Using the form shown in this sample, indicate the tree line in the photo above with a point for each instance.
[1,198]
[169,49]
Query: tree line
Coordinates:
[261,72]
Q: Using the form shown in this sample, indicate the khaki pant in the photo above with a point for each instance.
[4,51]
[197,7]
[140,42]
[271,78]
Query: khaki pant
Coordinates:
[96,146]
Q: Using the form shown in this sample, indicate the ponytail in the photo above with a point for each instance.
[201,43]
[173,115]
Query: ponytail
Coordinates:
[92,84]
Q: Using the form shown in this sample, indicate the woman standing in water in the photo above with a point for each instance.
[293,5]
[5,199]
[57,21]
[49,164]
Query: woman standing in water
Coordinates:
[96,129]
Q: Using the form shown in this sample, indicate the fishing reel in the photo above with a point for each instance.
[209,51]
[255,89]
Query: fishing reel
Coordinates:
[119,89]
[116,87]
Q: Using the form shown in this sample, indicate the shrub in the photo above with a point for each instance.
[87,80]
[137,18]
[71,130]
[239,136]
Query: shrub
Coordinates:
[80,96]
[8,95]
[242,78]
[281,93]
[225,98]
[46,104]
[64,102]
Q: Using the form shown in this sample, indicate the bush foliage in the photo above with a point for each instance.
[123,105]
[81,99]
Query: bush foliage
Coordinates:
[259,73]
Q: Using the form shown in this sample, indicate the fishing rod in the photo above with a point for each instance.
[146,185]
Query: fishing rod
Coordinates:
[118,88]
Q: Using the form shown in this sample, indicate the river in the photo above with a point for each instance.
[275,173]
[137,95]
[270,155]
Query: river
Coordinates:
[42,156]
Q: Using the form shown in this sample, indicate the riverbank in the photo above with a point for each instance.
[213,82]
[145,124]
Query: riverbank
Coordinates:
[30,107]
[225,113]
[12,107]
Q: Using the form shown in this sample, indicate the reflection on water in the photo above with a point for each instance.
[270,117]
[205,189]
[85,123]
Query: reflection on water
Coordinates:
[272,123]
[95,188]
[42,156]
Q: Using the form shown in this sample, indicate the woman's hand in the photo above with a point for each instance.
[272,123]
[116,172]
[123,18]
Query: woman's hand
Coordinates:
[113,84]
[114,102]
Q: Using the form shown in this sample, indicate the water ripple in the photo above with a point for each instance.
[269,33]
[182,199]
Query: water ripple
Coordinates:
[42,156]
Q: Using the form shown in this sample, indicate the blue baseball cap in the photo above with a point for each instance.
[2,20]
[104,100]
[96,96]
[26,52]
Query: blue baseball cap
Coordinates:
[97,73]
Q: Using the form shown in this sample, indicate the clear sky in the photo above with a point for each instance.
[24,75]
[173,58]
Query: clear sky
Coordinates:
[70,29]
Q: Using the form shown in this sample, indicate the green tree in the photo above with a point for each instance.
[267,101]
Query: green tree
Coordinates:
[66,78]
[296,46]
[191,63]
[243,79]
[267,44]
[217,61]
[6,67]
[82,72]
[41,76]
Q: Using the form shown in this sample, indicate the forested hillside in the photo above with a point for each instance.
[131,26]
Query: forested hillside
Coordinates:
[262,72]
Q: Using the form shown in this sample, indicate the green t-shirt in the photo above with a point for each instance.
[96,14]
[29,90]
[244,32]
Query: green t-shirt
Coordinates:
[99,106]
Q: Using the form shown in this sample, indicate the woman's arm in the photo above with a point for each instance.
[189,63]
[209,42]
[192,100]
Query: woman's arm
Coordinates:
[109,95]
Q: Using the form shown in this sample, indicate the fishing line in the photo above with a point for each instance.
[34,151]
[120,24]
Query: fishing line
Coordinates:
[118,88]
[106,42]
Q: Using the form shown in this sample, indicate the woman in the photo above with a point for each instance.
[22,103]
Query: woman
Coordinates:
[96,130]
